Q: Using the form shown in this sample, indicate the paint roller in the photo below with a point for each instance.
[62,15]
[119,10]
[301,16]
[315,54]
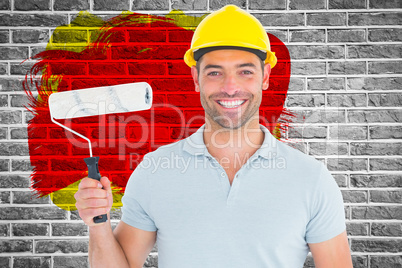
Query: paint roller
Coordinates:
[96,101]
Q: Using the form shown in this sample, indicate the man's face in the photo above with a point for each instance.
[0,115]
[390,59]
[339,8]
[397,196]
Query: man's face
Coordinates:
[230,83]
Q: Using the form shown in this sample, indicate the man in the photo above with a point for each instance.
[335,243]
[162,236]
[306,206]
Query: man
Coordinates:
[243,199]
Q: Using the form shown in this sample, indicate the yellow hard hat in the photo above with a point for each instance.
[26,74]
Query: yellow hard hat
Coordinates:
[230,28]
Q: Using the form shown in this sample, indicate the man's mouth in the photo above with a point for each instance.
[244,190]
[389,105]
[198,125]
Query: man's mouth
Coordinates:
[231,103]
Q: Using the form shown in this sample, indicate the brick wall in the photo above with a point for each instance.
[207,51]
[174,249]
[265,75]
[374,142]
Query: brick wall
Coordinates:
[345,88]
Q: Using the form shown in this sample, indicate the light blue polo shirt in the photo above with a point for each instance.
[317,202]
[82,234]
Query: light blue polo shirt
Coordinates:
[279,201]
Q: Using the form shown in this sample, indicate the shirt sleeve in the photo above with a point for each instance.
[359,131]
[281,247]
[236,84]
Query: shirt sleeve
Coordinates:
[327,214]
[136,201]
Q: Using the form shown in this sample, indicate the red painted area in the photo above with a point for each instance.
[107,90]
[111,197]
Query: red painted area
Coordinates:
[125,51]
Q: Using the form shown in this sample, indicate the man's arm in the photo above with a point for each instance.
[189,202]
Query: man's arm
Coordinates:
[333,253]
[126,246]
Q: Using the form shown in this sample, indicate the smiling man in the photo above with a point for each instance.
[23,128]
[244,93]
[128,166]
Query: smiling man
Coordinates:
[243,199]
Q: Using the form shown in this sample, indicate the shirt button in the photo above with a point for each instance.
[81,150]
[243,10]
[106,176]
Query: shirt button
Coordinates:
[223,174]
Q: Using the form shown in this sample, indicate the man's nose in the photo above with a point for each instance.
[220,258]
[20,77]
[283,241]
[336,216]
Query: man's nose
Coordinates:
[230,85]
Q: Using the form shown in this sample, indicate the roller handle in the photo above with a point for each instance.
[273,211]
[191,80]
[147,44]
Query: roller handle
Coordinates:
[93,173]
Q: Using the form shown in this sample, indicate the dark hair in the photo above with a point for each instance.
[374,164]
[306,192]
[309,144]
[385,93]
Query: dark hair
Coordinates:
[198,63]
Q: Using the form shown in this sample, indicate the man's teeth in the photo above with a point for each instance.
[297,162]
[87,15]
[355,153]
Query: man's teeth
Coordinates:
[231,104]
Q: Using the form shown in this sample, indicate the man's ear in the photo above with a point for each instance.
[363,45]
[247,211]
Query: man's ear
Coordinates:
[194,74]
[265,80]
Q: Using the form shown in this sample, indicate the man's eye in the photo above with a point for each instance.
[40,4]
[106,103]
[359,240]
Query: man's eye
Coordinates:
[213,73]
[247,72]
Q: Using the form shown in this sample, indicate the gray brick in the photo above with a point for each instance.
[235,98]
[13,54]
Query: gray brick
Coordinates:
[386,229]
[305,100]
[21,165]
[377,245]
[32,213]
[308,68]
[314,36]
[217,4]
[346,36]
[375,116]
[14,181]
[45,20]
[346,100]
[385,100]
[19,133]
[11,84]
[376,181]
[328,148]
[285,19]
[31,261]
[29,197]
[30,5]
[151,5]
[5,262]
[3,68]
[267,4]
[374,51]
[374,83]
[377,213]
[301,146]
[385,35]
[296,84]
[320,116]
[347,164]
[4,36]
[375,148]
[360,261]
[316,52]
[69,229]
[3,100]
[326,19]
[190,5]
[390,196]
[63,246]
[307,4]
[13,246]
[4,230]
[347,67]
[347,4]
[111,5]
[5,5]
[4,165]
[20,68]
[71,261]
[357,229]
[385,261]
[308,132]
[394,164]
[30,36]
[5,197]
[61,5]
[327,83]
[341,179]
[11,149]
[3,133]
[353,196]
[385,132]
[387,67]
[385,4]
[19,101]
[13,53]
[30,229]
[377,18]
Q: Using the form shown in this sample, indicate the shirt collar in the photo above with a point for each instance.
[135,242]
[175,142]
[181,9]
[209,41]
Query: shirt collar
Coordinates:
[195,145]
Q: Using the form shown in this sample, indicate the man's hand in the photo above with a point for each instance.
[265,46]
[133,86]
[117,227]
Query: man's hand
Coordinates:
[92,200]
